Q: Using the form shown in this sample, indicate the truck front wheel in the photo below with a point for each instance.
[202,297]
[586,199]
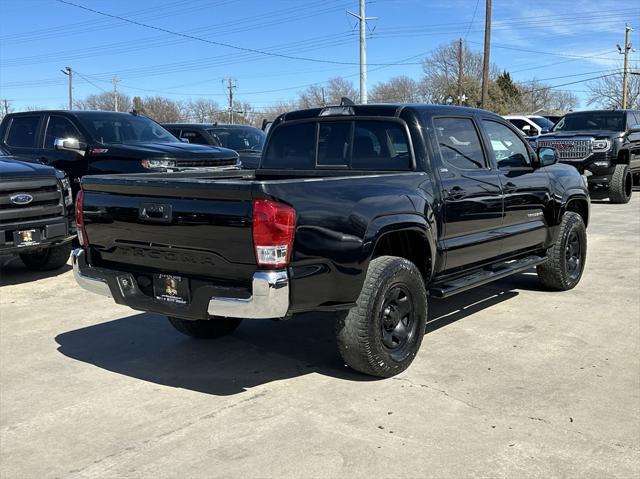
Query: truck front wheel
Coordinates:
[621,185]
[382,334]
[566,258]
[47,259]
[206,328]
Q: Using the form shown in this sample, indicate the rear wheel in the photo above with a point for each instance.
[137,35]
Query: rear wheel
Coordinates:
[47,259]
[621,185]
[382,334]
[205,328]
[566,258]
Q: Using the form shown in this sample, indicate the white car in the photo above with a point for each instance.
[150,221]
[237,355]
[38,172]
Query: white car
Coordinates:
[530,125]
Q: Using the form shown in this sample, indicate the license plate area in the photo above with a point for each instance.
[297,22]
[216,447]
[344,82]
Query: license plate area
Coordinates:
[24,238]
[171,288]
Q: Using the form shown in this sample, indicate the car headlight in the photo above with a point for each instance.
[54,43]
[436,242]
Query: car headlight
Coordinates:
[68,194]
[601,145]
[155,164]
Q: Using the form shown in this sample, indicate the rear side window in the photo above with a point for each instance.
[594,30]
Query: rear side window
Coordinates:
[365,145]
[22,131]
[60,127]
[459,143]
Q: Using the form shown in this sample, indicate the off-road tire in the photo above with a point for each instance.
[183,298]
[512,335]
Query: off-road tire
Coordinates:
[206,328]
[621,185]
[555,273]
[359,331]
[47,259]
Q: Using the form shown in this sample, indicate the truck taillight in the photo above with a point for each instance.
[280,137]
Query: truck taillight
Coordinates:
[82,234]
[273,232]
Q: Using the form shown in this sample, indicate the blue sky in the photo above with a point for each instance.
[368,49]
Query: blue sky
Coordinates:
[557,41]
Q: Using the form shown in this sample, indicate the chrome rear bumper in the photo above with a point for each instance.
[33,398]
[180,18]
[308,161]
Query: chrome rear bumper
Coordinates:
[269,294]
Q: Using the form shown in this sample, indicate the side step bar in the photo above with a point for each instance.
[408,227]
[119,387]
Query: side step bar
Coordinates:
[493,273]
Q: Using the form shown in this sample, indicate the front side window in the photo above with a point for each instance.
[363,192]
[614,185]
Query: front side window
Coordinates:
[22,131]
[60,127]
[122,128]
[459,143]
[508,149]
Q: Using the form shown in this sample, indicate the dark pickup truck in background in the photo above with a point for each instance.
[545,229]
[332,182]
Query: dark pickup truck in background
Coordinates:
[246,140]
[36,213]
[96,142]
[363,210]
[604,145]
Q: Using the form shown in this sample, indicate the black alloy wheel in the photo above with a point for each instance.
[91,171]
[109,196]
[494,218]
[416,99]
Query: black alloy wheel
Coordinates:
[397,325]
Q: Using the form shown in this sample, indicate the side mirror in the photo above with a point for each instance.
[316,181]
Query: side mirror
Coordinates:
[69,144]
[527,130]
[544,130]
[184,140]
[547,156]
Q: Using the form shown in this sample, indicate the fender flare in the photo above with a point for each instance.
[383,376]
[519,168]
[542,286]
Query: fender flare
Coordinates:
[574,194]
[394,223]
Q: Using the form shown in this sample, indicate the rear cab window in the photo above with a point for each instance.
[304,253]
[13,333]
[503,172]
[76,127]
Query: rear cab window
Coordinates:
[23,131]
[378,145]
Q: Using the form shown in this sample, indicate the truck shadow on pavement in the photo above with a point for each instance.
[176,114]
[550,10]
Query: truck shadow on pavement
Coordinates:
[145,346]
[12,271]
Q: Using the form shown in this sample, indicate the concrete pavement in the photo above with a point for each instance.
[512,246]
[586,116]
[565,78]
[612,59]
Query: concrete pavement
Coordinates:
[511,381]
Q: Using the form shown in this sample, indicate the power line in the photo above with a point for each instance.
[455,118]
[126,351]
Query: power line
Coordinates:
[211,42]
[473,19]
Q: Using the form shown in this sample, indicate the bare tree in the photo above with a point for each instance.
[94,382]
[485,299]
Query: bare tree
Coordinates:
[163,110]
[202,110]
[441,72]
[606,92]
[398,89]
[104,101]
[329,94]
[536,96]
[271,112]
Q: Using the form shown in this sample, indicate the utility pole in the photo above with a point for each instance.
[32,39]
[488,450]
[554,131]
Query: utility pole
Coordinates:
[69,72]
[625,75]
[114,82]
[487,51]
[460,71]
[230,87]
[362,18]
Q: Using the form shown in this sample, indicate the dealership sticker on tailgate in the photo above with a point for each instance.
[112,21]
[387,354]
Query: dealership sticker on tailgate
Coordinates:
[27,238]
[171,288]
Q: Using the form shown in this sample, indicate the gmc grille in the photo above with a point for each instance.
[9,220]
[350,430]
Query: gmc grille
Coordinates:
[205,163]
[47,200]
[568,149]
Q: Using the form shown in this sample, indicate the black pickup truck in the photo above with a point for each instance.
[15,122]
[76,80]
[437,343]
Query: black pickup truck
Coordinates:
[604,145]
[98,142]
[363,210]
[36,213]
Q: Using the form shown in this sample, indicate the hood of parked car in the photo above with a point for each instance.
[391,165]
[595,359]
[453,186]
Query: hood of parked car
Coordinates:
[169,150]
[10,167]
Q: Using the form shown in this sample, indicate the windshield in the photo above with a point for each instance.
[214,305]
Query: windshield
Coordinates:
[591,120]
[541,121]
[124,129]
[239,139]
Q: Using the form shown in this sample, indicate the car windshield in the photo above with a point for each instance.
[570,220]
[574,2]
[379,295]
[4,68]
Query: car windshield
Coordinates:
[541,122]
[239,139]
[110,128]
[591,120]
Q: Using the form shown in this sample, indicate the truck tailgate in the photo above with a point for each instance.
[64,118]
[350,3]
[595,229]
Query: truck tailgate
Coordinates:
[183,227]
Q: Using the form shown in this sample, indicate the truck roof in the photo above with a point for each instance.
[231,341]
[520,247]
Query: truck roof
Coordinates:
[391,109]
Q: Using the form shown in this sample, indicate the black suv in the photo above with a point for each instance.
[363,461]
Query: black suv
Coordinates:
[97,142]
[36,213]
[604,145]
[246,140]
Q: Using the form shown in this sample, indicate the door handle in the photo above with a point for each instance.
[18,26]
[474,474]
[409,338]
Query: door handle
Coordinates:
[456,193]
